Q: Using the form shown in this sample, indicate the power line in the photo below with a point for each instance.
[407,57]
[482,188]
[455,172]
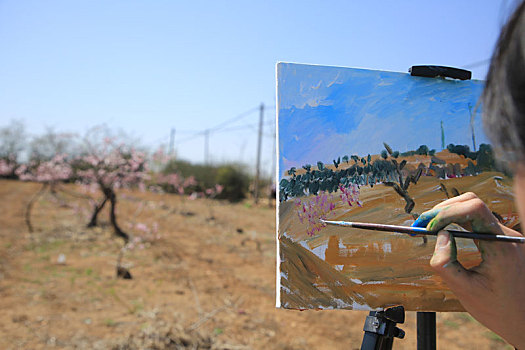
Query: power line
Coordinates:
[189,138]
[236,128]
[197,133]
[201,133]
[234,119]
[251,126]
[222,128]
[160,139]
[187,131]
[478,63]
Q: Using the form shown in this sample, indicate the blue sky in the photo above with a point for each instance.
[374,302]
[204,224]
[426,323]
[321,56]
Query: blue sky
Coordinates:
[147,66]
[329,112]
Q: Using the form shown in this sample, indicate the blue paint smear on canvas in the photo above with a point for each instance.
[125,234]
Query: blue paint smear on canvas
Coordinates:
[326,112]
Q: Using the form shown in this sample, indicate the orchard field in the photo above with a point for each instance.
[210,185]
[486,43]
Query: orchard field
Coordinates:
[205,281]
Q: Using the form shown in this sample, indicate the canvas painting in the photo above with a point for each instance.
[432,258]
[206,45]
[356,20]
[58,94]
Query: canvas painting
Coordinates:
[380,147]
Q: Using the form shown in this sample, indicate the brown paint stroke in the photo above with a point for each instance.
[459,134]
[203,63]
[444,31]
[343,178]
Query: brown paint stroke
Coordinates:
[311,283]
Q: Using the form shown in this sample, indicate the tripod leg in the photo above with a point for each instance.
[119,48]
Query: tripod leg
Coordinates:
[380,329]
[426,331]
[370,341]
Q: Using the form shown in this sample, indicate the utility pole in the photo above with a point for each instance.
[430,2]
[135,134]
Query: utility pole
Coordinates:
[442,136]
[472,119]
[172,142]
[206,146]
[259,144]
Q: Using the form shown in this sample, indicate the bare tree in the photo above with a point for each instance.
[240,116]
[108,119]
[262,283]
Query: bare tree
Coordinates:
[12,145]
[44,147]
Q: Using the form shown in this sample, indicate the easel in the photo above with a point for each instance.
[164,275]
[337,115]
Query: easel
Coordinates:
[380,326]
[380,329]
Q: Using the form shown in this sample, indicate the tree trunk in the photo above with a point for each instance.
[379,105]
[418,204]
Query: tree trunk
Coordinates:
[54,192]
[410,202]
[112,215]
[97,209]
[29,207]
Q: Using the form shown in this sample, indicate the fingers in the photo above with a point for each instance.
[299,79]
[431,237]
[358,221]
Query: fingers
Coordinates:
[445,263]
[472,211]
[426,217]
[461,198]
[510,232]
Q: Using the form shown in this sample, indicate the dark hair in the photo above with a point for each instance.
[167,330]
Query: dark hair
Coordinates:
[504,93]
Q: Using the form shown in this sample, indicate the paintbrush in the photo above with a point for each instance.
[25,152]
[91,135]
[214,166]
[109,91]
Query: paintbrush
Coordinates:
[422,231]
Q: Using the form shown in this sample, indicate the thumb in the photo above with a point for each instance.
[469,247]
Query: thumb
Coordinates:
[445,263]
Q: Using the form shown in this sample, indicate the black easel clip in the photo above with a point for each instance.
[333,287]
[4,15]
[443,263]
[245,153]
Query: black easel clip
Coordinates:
[440,71]
[380,328]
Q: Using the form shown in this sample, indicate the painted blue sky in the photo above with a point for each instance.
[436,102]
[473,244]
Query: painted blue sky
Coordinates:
[329,112]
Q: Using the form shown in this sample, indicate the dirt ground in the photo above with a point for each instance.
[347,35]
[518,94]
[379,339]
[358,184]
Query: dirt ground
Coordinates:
[206,283]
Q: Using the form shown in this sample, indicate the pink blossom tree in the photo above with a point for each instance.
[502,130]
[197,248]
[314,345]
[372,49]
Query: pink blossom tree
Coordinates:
[8,167]
[176,183]
[48,173]
[107,168]
[211,193]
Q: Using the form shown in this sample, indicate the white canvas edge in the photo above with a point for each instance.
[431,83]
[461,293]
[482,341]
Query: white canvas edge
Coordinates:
[277,251]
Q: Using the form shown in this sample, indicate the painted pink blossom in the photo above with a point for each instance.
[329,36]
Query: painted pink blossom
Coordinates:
[311,211]
[350,194]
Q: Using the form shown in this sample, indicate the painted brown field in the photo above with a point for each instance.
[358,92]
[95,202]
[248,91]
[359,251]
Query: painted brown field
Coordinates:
[349,268]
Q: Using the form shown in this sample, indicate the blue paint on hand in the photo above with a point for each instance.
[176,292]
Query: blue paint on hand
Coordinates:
[426,217]
[422,221]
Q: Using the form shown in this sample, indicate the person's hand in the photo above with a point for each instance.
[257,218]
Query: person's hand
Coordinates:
[494,291]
